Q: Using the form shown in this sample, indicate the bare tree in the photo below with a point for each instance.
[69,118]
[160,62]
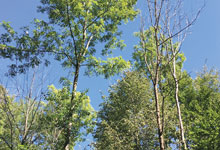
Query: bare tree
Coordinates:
[21,112]
[168,25]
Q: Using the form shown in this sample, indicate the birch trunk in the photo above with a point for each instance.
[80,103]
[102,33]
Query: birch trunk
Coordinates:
[183,142]
[160,129]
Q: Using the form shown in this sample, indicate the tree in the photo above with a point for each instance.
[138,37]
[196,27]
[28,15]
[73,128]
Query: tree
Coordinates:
[201,110]
[19,122]
[53,119]
[20,115]
[155,52]
[32,123]
[6,134]
[126,119]
[145,54]
[73,30]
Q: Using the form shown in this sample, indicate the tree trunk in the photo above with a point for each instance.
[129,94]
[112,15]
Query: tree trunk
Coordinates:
[183,142]
[160,129]
[68,128]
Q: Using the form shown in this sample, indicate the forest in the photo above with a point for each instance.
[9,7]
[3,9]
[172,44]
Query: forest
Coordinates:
[153,102]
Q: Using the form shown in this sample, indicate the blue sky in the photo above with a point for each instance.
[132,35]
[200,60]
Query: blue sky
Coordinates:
[204,41]
[202,44]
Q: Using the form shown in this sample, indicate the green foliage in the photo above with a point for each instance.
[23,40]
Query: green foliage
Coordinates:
[26,126]
[155,58]
[8,120]
[70,35]
[55,113]
[74,29]
[201,112]
[126,119]
[108,68]
[19,124]
[147,53]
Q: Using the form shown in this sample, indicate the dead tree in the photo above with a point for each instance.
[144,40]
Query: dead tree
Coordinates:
[20,112]
[168,25]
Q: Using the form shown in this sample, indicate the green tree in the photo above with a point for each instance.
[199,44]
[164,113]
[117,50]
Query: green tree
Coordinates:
[54,119]
[30,124]
[73,30]
[126,119]
[201,112]
[6,135]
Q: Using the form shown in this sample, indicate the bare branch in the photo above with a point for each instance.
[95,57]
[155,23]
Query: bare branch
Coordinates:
[184,28]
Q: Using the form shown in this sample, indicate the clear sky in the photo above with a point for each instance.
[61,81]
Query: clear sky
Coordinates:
[202,44]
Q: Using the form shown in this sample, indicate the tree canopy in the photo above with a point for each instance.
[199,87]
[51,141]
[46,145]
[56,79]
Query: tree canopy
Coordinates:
[154,104]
